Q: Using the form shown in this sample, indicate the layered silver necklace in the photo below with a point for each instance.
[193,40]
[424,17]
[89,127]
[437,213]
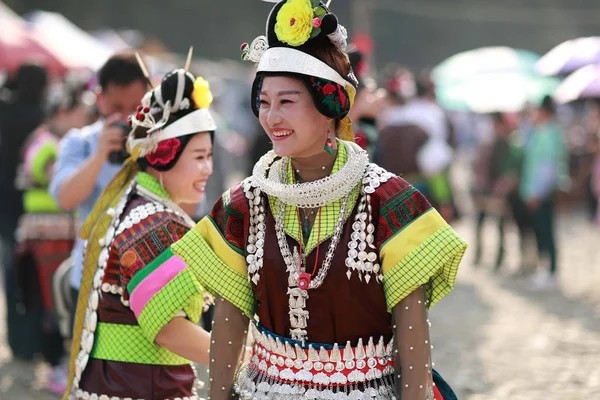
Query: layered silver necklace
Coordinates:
[299,281]
[270,177]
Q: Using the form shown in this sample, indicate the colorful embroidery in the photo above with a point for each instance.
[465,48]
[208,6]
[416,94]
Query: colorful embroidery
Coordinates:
[228,215]
[142,243]
[400,204]
[331,94]
[129,259]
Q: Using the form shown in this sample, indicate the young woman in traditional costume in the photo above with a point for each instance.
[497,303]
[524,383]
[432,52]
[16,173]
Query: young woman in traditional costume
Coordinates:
[136,325]
[333,260]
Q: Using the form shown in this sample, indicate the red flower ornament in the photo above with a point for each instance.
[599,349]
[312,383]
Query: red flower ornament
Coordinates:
[164,153]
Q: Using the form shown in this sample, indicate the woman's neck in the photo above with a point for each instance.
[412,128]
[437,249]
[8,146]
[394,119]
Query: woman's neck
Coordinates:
[315,167]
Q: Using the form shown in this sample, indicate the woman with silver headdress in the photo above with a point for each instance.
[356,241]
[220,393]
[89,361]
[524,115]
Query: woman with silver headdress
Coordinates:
[136,328]
[333,260]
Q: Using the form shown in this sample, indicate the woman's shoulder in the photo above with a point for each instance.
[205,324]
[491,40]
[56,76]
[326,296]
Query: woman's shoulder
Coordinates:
[233,201]
[142,215]
[382,184]
[393,195]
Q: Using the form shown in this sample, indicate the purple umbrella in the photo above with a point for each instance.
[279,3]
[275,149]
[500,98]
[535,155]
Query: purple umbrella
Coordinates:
[581,84]
[570,56]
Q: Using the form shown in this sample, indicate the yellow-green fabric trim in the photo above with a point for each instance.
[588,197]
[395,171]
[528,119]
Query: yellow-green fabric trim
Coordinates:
[217,230]
[127,343]
[39,164]
[410,237]
[181,293]
[433,264]
[329,213]
[152,184]
[217,277]
[39,201]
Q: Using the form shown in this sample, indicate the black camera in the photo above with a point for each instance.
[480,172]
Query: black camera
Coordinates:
[119,157]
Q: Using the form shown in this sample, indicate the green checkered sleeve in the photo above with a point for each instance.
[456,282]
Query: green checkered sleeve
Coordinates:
[216,276]
[182,293]
[433,264]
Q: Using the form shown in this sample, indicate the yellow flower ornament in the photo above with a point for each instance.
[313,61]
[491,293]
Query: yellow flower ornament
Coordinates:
[202,96]
[294,24]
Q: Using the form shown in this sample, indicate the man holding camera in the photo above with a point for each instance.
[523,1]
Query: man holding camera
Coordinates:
[90,157]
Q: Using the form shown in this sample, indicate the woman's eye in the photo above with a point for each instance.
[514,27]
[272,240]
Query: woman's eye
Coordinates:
[286,101]
[264,103]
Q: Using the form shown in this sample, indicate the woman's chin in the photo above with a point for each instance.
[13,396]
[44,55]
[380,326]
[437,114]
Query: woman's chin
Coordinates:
[285,149]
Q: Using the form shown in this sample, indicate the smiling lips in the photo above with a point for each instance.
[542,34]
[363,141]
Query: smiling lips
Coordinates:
[200,186]
[281,133]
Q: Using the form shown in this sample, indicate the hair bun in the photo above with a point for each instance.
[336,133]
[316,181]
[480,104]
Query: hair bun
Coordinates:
[329,24]
[169,87]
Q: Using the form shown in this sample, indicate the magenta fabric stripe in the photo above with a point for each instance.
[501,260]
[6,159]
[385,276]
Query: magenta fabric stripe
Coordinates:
[154,282]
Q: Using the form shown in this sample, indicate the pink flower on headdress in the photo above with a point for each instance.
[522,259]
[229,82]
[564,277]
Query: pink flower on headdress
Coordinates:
[165,152]
[317,22]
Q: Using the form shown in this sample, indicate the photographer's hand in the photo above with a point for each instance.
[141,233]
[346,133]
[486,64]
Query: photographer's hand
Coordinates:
[110,139]
[80,184]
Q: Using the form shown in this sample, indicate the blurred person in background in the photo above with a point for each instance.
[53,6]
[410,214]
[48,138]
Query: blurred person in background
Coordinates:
[592,128]
[496,171]
[90,157]
[428,86]
[22,113]
[413,140]
[45,234]
[595,178]
[544,172]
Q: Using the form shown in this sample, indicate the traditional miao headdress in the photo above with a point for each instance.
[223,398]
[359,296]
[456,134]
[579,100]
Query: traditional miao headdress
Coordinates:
[176,108]
[160,129]
[295,28]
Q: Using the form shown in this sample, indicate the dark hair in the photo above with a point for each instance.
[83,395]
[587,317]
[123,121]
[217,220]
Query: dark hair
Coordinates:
[330,55]
[121,70]
[30,84]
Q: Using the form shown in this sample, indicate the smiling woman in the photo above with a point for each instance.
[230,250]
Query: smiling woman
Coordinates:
[137,320]
[331,262]
[288,115]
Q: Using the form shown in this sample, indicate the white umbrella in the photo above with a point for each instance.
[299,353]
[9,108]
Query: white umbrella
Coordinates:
[503,92]
[484,60]
[583,83]
[570,56]
[68,42]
